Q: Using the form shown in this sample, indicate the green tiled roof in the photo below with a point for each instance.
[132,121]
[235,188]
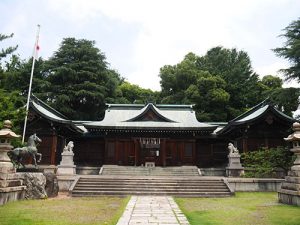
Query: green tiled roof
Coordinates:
[51,114]
[255,113]
[173,117]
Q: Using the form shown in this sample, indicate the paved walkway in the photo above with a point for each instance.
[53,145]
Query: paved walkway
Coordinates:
[152,210]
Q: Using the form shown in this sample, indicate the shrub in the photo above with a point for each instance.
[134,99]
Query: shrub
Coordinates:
[264,162]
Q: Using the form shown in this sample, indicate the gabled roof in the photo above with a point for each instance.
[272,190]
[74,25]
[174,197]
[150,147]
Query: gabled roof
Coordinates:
[51,114]
[150,113]
[45,110]
[254,114]
[133,116]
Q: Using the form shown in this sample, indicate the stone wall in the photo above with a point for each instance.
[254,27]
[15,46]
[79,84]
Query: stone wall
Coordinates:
[254,184]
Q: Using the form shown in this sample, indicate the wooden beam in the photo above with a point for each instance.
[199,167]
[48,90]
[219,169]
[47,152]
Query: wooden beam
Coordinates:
[53,148]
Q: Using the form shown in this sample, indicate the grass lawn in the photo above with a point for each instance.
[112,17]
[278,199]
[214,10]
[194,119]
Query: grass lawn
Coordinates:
[71,211]
[243,209]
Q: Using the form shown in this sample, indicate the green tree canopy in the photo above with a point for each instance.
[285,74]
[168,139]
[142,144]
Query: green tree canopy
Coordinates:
[286,99]
[80,79]
[235,68]
[291,50]
[6,51]
[234,86]
[271,82]
[17,76]
[131,93]
[11,107]
[185,83]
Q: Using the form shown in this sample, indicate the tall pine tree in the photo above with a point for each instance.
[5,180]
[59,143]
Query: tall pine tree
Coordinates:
[80,80]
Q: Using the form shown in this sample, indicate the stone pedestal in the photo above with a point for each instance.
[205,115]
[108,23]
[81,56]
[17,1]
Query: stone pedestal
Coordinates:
[35,185]
[66,166]
[234,168]
[289,192]
[11,186]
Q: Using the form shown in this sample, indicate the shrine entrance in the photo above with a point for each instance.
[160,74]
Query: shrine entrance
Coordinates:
[150,151]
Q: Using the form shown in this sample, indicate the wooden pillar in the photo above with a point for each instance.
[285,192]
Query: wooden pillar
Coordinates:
[194,155]
[105,152]
[53,148]
[245,145]
[136,154]
[163,151]
[211,146]
[266,142]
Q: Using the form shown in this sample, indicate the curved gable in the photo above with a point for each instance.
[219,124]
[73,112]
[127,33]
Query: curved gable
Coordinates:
[150,113]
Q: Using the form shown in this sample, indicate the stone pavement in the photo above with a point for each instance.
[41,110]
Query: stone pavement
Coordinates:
[152,210]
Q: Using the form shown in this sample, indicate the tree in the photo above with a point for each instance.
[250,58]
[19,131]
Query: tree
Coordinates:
[7,51]
[210,97]
[175,80]
[241,82]
[12,108]
[286,99]
[17,76]
[272,82]
[185,83]
[80,79]
[291,50]
[131,93]
[4,52]
[239,90]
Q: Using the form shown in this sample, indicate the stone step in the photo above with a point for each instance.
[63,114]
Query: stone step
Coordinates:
[146,171]
[140,189]
[171,193]
[145,185]
[151,179]
[151,170]
[150,184]
[169,179]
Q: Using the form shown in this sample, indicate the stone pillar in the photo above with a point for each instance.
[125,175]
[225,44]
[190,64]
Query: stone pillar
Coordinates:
[11,186]
[66,166]
[234,168]
[289,193]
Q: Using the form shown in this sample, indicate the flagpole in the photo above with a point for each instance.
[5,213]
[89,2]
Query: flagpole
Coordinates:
[30,83]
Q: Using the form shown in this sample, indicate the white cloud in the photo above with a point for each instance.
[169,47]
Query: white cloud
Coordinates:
[138,36]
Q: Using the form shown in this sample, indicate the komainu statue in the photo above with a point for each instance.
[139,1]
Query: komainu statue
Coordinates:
[232,149]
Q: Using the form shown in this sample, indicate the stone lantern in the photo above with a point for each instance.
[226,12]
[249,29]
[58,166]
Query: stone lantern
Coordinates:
[5,146]
[289,192]
[11,187]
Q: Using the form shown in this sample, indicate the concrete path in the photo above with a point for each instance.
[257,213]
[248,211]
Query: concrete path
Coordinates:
[152,210]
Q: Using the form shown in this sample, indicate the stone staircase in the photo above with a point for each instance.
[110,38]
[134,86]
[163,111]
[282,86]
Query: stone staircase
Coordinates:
[174,186]
[149,171]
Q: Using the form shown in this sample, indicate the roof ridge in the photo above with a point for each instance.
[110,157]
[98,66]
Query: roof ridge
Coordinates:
[45,105]
[147,108]
[254,108]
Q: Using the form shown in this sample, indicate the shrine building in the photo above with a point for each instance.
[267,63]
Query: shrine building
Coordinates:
[163,135]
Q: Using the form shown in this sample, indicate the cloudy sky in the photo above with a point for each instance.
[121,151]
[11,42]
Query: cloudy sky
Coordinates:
[138,37]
